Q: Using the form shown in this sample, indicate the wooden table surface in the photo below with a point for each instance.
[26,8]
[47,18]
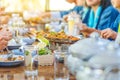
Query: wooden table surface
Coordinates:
[17,73]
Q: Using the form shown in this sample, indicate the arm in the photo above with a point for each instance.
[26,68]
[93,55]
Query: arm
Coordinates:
[60,14]
[45,14]
[86,30]
[76,9]
[54,15]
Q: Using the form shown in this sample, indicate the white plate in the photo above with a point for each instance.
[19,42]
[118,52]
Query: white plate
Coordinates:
[11,63]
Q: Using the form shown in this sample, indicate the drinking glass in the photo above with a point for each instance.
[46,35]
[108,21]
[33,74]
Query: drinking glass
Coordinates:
[112,73]
[60,70]
[31,62]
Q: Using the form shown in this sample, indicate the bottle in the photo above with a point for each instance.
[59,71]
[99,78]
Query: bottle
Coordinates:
[47,27]
[71,24]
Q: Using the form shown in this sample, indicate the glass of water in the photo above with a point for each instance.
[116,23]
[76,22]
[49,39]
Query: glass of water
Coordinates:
[60,70]
[112,73]
[31,62]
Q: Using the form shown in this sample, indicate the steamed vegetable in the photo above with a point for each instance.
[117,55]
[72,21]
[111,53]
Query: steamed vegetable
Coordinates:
[44,51]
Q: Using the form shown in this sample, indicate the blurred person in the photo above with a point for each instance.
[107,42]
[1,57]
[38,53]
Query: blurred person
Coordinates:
[101,15]
[6,33]
[3,43]
[3,19]
[109,33]
[116,4]
[5,36]
[78,7]
[55,18]
[1,10]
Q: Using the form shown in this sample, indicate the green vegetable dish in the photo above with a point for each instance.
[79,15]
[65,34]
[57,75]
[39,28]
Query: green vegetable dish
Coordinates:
[44,51]
[27,52]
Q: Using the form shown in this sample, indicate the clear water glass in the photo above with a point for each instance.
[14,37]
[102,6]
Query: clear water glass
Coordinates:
[112,73]
[31,62]
[60,70]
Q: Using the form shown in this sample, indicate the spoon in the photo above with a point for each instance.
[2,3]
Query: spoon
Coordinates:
[10,54]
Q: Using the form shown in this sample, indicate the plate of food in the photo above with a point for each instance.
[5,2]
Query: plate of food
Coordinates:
[13,44]
[14,61]
[62,38]
[59,37]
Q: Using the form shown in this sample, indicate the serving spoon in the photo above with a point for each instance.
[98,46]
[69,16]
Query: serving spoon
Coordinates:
[10,54]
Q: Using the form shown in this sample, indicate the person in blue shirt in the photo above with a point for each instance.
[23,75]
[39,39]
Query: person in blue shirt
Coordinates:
[78,8]
[101,15]
[59,14]
[109,33]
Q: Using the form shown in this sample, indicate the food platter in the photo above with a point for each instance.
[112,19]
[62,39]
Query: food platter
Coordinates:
[58,37]
[16,60]
[61,41]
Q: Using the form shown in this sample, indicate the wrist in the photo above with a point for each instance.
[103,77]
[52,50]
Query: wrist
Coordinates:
[114,36]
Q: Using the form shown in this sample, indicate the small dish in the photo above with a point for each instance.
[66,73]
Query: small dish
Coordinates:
[8,63]
[45,60]
[11,47]
[28,40]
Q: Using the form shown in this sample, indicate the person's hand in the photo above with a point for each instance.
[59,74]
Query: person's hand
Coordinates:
[108,33]
[72,14]
[2,10]
[44,15]
[82,27]
[4,32]
[4,19]
[5,36]
[86,30]
[3,43]
[65,18]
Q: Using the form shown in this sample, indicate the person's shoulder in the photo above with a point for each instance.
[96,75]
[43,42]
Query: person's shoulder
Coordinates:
[118,18]
[108,17]
[110,9]
[78,7]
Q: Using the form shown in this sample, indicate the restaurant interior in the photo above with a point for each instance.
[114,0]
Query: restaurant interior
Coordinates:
[59,40]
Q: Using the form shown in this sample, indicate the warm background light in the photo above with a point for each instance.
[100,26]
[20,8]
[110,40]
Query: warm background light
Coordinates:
[60,5]
[34,5]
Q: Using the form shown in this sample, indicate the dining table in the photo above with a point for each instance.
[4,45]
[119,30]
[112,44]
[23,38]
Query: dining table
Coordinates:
[17,73]
[45,72]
